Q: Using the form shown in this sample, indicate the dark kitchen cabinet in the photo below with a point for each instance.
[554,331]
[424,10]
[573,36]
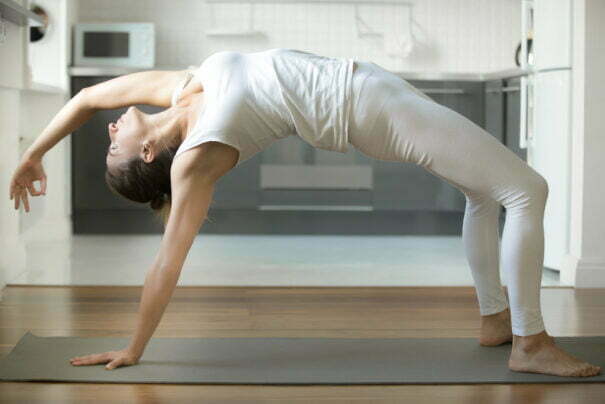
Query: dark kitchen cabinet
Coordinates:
[495,105]
[89,148]
[97,209]
[513,116]
[405,198]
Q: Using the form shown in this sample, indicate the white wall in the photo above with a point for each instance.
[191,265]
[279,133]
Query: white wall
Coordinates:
[12,56]
[453,35]
[587,247]
[12,249]
[24,113]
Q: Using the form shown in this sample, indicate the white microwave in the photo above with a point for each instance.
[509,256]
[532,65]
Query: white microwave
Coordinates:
[114,44]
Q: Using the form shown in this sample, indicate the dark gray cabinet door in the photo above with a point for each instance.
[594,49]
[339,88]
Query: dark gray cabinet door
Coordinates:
[405,186]
[237,189]
[240,187]
[513,116]
[494,108]
[89,149]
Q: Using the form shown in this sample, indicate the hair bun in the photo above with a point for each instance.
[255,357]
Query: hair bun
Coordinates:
[157,202]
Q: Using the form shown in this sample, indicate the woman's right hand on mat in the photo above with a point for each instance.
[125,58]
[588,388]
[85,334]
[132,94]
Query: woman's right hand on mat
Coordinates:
[113,359]
[28,171]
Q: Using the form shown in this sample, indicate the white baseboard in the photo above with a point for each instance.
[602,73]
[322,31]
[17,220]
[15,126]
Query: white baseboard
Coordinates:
[590,273]
[11,264]
[567,275]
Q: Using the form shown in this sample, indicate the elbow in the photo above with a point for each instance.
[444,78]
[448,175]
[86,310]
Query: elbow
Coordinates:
[83,98]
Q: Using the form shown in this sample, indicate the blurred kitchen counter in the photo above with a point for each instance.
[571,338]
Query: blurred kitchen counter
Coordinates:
[453,76]
[408,75]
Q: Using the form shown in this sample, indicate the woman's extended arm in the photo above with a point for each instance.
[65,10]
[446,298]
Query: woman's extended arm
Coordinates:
[193,178]
[74,114]
[152,87]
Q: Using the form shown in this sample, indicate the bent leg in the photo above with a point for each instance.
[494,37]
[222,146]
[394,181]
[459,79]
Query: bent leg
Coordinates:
[523,254]
[402,126]
[391,122]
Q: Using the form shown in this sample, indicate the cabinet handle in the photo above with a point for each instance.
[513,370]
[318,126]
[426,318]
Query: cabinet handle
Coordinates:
[509,89]
[316,207]
[442,90]
[523,117]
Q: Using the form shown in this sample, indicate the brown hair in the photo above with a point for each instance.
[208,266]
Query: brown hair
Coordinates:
[144,182]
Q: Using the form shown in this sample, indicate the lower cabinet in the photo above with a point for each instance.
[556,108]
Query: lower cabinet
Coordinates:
[401,193]
[512,122]
[97,210]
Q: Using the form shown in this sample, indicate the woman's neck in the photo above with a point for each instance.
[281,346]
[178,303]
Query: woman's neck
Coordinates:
[173,124]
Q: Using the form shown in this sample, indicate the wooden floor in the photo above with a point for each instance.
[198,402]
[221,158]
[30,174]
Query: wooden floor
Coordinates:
[379,312]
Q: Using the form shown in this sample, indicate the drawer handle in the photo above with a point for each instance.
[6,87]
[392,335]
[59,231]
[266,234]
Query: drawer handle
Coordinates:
[442,90]
[316,207]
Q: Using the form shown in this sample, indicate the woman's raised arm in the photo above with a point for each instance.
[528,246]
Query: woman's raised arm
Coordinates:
[154,87]
[151,87]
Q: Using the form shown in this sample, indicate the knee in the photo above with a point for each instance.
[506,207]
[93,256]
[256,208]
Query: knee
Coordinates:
[532,194]
[480,205]
[539,188]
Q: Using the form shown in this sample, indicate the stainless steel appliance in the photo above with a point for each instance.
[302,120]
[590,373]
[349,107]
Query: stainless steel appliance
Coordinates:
[114,44]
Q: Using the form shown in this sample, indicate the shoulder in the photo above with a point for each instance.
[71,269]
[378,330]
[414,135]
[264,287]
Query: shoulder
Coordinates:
[186,85]
[210,159]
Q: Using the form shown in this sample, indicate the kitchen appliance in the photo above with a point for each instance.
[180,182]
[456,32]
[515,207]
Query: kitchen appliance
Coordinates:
[114,44]
[546,114]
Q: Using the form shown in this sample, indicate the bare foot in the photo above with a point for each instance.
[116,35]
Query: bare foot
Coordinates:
[539,354]
[496,329]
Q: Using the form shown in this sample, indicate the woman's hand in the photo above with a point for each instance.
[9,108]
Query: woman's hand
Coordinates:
[113,359]
[29,170]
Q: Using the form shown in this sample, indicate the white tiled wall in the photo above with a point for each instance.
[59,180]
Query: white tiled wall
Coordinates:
[449,35]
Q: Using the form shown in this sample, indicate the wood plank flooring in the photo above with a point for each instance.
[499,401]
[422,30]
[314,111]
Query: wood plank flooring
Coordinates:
[380,312]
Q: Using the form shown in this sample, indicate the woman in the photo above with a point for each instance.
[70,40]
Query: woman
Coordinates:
[239,103]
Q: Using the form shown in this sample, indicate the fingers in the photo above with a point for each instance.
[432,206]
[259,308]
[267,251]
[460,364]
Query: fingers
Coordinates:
[43,185]
[91,359]
[13,190]
[18,193]
[32,189]
[115,363]
[25,200]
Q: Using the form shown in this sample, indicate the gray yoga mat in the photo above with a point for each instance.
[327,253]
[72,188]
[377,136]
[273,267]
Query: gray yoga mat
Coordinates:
[286,361]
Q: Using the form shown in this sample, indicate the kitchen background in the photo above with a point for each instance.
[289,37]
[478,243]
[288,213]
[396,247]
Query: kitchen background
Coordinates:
[289,216]
[450,35]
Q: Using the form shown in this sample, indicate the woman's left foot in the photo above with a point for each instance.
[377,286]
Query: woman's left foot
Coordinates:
[496,329]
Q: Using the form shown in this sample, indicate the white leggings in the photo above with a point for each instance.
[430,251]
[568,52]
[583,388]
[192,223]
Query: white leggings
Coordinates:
[391,120]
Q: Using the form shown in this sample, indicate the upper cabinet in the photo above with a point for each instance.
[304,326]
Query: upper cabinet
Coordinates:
[552,34]
[50,56]
[36,62]
[13,43]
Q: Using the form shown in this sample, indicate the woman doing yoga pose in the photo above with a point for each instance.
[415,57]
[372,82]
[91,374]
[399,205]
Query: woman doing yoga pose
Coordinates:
[236,104]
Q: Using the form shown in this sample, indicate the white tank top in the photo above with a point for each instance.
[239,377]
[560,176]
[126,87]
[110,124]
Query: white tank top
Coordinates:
[254,99]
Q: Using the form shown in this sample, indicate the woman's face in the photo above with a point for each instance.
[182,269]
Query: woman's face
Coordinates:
[126,135]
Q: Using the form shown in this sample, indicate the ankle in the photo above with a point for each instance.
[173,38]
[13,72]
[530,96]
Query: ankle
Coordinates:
[504,314]
[530,343]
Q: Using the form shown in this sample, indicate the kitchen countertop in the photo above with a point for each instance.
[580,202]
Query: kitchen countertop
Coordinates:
[407,75]
[38,87]
[454,76]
